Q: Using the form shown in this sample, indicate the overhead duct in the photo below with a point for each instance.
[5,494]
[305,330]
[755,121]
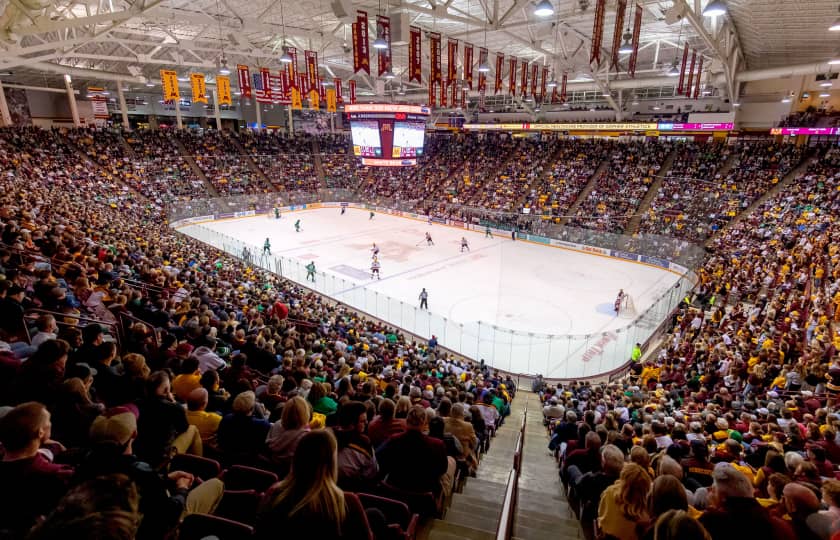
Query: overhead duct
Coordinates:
[85,73]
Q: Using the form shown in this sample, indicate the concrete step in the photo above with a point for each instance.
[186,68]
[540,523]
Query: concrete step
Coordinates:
[540,525]
[483,520]
[465,503]
[442,530]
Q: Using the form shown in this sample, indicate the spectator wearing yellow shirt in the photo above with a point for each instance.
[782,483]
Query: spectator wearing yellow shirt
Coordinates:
[188,380]
[207,423]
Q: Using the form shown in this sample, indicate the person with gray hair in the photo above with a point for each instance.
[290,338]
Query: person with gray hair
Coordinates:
[733,511]
[589,487]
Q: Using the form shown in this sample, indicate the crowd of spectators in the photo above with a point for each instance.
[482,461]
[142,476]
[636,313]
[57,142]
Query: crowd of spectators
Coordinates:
[221,161]
[729,427]
[286,161]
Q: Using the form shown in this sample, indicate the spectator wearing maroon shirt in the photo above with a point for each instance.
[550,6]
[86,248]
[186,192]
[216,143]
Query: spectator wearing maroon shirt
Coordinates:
[30,484]
[384,425]
[583,460]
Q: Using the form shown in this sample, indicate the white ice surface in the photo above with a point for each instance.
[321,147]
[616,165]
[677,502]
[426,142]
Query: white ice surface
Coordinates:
[514,285]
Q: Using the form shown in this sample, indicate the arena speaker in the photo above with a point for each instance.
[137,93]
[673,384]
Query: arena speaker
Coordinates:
[400,31]
[343,10]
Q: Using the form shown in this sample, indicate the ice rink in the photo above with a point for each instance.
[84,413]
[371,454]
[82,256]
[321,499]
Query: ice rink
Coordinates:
[517,285]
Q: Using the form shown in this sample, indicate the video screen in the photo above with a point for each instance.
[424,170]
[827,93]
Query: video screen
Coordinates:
[408,139]
[366,141]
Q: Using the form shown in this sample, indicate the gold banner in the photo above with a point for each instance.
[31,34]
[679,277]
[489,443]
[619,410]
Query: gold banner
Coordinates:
[223,89]
[297,102]
[199,91]
[314,101]
[169,83]
[332,102]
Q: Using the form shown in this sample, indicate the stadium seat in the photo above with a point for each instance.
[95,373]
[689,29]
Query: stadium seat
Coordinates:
[401,521]
[239,505]
[201,467]
[202,526]
[240,477]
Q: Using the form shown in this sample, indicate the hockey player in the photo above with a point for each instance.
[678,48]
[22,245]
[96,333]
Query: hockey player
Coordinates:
[619,299]
[429,240]
[276,213]
[375,250]
[513,234]
[310,271]
[424,299]
[267,247]
[297,226]
[487,232]
[371,215]
[374,268]
[343,210]
[464,244]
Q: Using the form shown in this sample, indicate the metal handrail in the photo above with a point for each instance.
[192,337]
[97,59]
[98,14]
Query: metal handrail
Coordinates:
[59,319]
[504,531]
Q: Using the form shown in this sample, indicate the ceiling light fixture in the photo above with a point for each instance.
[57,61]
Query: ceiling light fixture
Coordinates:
[835,26]
[379,43]
[825,94]
[484,67]
[544,8]
[627,44]
[150,84]
[223,66]
[715,8]
[286,58]
[786,99]
[834,61]
[389,75]
[673,71]
[552,83]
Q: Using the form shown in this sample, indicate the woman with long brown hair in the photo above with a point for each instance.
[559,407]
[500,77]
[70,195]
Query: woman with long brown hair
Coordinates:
[308,502]
[623,510]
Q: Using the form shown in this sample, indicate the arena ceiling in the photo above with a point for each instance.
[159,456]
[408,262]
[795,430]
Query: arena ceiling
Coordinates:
[105,41]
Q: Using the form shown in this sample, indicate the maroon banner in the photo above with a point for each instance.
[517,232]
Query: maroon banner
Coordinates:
[699,73]
[598,31]
[691,73]
[352,85]
[523,80]
[432,95]
[534,68]
[555,95]
[415,58]
[482,77]
[453,89]
[244,80]
[620,9]
[361,50]
[322,92]
[292,68]
[637,29]
[543,83]
[682,69]
[468,61]
[311,70]
[452,61]
[512,76]
[500,65]
[286,84]
[383,56]
[434,47]
[265,75]
[443,90]
[338,97]
[563,87]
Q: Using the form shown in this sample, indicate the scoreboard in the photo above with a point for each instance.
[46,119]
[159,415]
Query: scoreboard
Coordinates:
[387,135]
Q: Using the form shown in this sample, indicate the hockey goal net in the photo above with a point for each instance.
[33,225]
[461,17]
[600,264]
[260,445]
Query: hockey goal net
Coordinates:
[628,307]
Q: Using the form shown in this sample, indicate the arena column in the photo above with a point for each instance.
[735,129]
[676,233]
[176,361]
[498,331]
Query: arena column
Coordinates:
[123,107]
[71,99]
[178,121]
[259,114]
[291,121]
[4,108]
[217,110]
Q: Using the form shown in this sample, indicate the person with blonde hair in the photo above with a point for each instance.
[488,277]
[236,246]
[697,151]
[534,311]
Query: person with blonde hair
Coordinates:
[623,510]
[678,525]
[308,502]
[285,434]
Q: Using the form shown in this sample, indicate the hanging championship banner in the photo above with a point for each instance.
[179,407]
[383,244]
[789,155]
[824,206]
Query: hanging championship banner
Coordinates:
[311,70]
[265,77]
[563,87]
[434,48]
[169,83]
[637,29]
[598,31]
[297,101]
[443,89]
[332,101]
[432,94]
[500,64]
[383,56]
[620,9]
[314,100]
[352,85]
[512,76]
[555,95]
[453,89]
[468,61]
[482,77]
[223,90]
[543,94]
[534,69]
[322,90]
[244,80]
[415,58]
[286,85]
[339,98]
[199,89]
[523,80]
[699,73]
[691,73]
[452,60]
[292,68]
[361,52]
[680,87]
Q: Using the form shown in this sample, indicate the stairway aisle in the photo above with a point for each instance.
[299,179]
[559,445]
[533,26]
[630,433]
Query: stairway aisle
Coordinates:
[541,511]
[652,192]
[584,193]
[474,514]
